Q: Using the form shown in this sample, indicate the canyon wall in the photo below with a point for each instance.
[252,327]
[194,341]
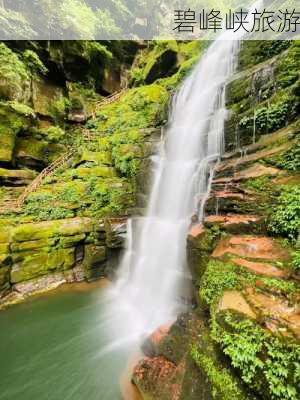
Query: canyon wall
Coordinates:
[79,122]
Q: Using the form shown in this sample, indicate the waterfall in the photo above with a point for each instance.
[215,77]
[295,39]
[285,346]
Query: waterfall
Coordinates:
[153,272]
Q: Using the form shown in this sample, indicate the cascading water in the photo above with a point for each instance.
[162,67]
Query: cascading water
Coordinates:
[152,275]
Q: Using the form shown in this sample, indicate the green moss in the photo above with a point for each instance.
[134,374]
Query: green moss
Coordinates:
[41,263]
[254,52]
[296,261]
[4,278]
[286,288]
[217,278]
[53,134]
[287,69]
[33,62]
[289,160]
[94,257]
[271,116]
[285,216]
[39,150]
[12,121]
[224,384]
[59,108]
[82,97]
[14,75]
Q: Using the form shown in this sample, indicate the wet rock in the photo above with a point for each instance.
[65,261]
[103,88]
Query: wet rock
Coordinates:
[94,261]
[150,347]
[200,244]
[261,268]
[257,247]
[234,300]
[116,229]
[44,96]
[277,311]
[255,171]
[234,223]
[77,116]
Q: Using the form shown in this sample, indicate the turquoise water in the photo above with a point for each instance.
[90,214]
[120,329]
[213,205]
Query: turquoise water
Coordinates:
[51,348]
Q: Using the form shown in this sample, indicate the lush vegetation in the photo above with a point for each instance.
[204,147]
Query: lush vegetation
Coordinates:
[285,219]
[267,364]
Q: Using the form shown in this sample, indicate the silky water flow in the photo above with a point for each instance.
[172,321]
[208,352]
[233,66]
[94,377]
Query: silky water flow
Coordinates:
[152,278]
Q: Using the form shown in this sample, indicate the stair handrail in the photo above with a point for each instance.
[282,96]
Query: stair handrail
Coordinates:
[49,170]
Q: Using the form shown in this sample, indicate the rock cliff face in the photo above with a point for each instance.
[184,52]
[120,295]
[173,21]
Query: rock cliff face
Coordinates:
[242,339]
[54,110]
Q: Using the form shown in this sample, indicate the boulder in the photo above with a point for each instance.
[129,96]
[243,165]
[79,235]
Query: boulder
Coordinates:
[94,261]
[51,229]
[36,153]
[32,265]
[16,177]
[256,247]
[235,223]
[44,96]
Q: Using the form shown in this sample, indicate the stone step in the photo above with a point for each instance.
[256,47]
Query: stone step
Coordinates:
[254,171]
[253,247]
[231,200]
[277,311]
[261,268]
[236,223]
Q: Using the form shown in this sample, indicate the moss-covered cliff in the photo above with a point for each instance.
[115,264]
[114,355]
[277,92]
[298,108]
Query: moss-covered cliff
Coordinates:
[54,106]
[242,341]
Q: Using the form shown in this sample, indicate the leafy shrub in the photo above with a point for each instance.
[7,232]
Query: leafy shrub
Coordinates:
[33,62]
[285,218]
[217,277]
[296,261]
[289,160]
[14,77]
[54,134]
[272,117]
[266,363]
[224,383]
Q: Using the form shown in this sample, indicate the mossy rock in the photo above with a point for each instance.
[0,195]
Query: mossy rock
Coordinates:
[14,76]
[42,263]
[254,52]
[100,158]
[5,259]
[32,245]
[101,172]
[36,153]
[71,241]
[93,261]
[11,123]
[271,365]
[16,177]
[5,233]
[199,249]
[4,279]
[46,97]
[50,229]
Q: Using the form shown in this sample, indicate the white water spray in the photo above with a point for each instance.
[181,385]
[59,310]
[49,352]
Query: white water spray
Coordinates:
[154,269]
[153,272]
